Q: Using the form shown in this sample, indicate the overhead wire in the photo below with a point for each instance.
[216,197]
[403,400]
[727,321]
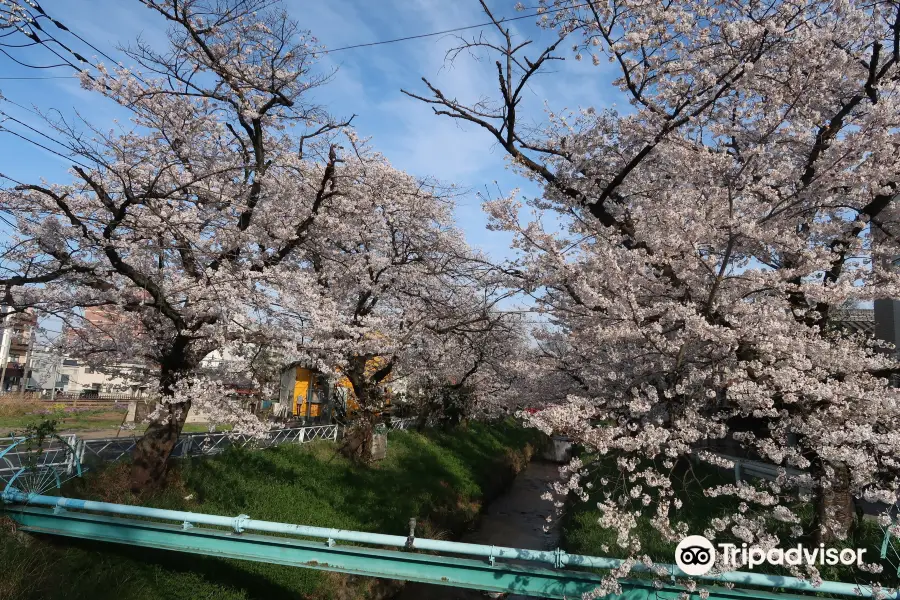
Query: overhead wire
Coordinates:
[33,27]
[4,129]
[33,24]
[537,13]
[45,77]
[455,29]
[48,149]
[50,38]
[27,126]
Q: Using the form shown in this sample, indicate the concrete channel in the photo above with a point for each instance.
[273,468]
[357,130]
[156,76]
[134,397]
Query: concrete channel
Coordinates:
[516,519]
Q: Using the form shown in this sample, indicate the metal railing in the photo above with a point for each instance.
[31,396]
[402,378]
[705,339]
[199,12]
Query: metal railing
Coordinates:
[55,452]
[485,567]
[403,424]
[46,396]
[189,444]
[745,468]
[208,444]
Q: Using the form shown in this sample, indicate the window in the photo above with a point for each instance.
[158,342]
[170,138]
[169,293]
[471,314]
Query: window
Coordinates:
[70,362]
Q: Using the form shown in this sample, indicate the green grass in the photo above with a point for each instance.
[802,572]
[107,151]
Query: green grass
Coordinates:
[582,534]
[18,416]
[22,416]
[197,428]
[440,478]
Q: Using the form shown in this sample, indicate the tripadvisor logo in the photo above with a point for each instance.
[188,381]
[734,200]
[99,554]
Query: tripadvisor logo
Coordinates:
[695,555]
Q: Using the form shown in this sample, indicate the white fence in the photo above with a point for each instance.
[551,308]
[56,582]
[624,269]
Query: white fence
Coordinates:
[403,424]
[74,448]
[208,444]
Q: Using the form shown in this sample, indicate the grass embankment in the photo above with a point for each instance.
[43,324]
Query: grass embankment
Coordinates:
[442,479]
[582,534]
[17,415]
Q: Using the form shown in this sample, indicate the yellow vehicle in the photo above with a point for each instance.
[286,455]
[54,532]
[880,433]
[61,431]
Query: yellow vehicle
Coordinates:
[306,391]
[314,396]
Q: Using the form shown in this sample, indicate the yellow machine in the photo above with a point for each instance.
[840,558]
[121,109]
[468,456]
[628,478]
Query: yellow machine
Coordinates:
[307,391]
[313,396]
[306,403]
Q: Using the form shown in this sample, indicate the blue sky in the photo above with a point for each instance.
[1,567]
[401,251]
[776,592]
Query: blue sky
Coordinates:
[367,83]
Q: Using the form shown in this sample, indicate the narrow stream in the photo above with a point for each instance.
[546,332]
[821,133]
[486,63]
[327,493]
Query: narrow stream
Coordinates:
[516,519]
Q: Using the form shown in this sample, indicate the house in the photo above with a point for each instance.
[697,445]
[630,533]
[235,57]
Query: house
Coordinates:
[70,375]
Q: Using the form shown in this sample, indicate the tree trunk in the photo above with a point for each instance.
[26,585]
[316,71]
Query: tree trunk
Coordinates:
[834,507]
[150,459]
[357,443]
[423,416]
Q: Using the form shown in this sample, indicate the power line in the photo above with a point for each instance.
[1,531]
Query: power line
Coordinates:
[446,31]
[39,145]
[342,48]
[26,125]
[44,77]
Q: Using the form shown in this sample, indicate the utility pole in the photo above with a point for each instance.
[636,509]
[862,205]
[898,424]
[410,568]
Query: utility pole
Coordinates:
[57,365]
[5,344]
[28,355]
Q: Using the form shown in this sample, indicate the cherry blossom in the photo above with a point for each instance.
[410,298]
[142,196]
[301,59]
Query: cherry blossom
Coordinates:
[704,242]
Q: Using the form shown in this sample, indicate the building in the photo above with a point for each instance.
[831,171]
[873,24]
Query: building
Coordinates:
[887,310]
[856,319]
[50,369]
[308,394]
[68,374]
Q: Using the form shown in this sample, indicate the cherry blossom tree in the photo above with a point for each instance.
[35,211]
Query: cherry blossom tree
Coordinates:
[473,371]
[234,214]
[709,233]
[392,277]
[179,221]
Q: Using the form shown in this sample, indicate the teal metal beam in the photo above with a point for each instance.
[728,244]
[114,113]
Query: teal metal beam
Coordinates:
[391,564]
[557,558]
[373,562]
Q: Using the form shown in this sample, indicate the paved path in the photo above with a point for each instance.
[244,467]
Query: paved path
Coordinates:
[515,519]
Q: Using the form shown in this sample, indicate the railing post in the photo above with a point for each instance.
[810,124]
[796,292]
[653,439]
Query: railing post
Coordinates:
[302,435]
[80,451]
[70,461]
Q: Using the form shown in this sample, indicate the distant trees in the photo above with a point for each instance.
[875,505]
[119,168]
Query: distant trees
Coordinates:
[388,276]
[710,230]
